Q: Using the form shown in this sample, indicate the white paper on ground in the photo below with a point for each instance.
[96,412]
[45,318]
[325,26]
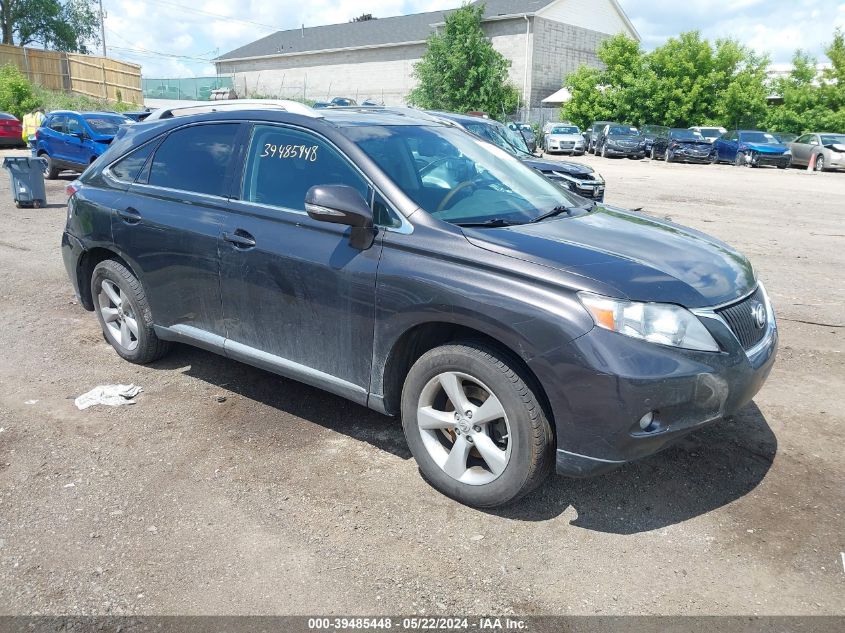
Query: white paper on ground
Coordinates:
[109,395]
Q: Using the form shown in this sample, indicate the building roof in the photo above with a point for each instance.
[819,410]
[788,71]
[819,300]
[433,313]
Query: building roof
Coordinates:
[401,29]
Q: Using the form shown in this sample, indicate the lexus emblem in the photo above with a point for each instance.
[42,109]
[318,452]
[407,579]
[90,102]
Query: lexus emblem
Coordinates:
[758,312]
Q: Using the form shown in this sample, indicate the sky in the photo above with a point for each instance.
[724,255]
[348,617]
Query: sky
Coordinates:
[177,38]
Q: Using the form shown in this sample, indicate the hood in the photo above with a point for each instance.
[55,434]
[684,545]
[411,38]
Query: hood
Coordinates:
[571,169]
[766,148]
[645,259]
[566,137]
[625,137]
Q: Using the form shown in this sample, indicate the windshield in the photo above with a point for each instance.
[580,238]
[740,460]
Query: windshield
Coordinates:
[625,130]
[758,137]
[711,131]
[105,124]
[457,179]
[514,138]
[686,135]
[832,139]
[565,129]
[494,135]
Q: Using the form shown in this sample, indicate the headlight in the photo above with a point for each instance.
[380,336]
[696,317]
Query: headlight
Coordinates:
[662,323]
[787,153]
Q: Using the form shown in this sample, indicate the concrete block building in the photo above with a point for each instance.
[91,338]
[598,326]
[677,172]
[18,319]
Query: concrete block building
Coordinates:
[374,59]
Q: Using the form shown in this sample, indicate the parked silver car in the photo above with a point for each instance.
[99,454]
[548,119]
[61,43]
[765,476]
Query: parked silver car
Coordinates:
[565,139]
[827,151]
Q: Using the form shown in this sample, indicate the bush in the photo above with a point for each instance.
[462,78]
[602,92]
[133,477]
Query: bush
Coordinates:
[16,94]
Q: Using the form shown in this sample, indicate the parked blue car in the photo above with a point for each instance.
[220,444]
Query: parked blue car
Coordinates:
[74,140]
[751,147]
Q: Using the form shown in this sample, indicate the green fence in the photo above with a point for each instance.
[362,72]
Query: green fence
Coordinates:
[193,89]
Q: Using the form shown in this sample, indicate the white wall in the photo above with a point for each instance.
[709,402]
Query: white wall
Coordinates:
[595,15]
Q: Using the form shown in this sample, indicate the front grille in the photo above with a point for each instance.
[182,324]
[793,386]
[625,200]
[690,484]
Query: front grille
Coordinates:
[740,318]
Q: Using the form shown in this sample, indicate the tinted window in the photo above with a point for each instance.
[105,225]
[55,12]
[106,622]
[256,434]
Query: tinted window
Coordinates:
[195,158]
[283,164]
[105,124]
[128,168]
[57,123]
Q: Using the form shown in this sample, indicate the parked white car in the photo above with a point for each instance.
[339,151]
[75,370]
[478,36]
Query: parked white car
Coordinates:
[710,134]
[563,138]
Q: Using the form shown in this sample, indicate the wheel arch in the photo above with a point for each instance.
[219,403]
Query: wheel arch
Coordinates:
[423,337]
[85,268]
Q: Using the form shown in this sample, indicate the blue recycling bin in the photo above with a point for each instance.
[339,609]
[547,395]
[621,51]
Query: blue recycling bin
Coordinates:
[27,180]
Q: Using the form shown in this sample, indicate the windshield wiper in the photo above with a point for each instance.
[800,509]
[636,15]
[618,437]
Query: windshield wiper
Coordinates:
[491,223]
[563,209]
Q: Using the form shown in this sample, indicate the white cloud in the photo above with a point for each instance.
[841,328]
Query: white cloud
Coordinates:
[174,28]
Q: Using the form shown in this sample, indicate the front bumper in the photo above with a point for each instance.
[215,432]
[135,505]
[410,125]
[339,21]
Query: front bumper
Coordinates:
[606,382]
[638,152]
[691,157]
[591,189]
[758,159]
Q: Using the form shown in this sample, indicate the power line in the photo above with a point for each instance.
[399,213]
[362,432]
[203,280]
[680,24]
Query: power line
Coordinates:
[219,16]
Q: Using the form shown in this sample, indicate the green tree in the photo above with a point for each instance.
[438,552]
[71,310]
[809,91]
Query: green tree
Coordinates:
[461,71]
[687,81]
[69,25]
[16,93]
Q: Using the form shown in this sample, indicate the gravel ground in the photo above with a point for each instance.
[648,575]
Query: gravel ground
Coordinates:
[227,490]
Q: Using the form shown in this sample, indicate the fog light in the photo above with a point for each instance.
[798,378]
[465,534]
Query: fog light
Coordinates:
[646,420]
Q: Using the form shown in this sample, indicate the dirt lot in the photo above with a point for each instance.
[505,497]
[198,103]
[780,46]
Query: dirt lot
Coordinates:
[283,499]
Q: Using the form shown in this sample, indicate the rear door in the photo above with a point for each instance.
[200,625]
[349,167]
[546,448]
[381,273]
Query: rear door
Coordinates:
[295,292]
[169,221]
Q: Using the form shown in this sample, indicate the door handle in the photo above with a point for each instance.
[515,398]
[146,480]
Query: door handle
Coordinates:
[129,215]
[240,239]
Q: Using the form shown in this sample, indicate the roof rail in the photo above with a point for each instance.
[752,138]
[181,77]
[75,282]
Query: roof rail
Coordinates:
[225,105]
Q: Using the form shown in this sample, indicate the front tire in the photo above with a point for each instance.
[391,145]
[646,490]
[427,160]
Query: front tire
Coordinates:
[740,161]
[124,313]
[819,164]
[604,151]
[475,426]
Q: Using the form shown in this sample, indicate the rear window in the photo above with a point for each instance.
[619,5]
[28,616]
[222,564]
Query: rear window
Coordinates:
[195,158]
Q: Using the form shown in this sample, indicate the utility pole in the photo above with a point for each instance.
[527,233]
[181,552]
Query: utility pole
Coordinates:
[103,28]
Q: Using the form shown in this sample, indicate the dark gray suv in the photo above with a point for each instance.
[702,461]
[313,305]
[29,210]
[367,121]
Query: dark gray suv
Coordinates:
[403,264]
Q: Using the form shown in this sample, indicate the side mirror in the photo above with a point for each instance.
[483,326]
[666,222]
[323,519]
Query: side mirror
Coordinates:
[341,204]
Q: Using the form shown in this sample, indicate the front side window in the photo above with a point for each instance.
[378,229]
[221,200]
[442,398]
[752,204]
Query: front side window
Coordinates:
[283,164]
[73,125]
[195,158]
[455,178]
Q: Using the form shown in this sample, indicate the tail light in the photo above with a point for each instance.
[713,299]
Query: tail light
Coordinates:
[72,188]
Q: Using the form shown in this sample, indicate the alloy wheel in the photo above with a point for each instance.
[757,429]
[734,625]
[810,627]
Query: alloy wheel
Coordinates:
[820,162]
[118,315]
[464,428]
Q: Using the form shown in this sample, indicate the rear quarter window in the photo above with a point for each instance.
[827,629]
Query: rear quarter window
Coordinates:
[128,168]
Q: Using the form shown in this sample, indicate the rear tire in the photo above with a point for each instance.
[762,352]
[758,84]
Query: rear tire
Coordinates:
[124,313]
[503,415]
[51,172]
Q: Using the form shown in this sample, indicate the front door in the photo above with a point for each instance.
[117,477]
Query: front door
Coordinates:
[169,221]
[296,294]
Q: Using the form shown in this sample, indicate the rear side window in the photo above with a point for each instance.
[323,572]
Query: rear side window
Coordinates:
[129,167]
[57,123]
[283,164]
[195,158]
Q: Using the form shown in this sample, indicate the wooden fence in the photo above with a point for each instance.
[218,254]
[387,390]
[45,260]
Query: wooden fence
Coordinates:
[98,77]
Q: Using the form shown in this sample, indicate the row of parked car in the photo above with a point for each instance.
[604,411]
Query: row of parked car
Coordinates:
[701,144]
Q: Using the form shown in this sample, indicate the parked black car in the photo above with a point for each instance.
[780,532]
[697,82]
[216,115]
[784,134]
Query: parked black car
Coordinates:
[682,145]
[576,177]
[406,266]
[592,133]
[650,132]
[620,140]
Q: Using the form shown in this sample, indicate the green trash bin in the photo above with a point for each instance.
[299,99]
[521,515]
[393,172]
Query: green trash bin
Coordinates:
[27,180]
